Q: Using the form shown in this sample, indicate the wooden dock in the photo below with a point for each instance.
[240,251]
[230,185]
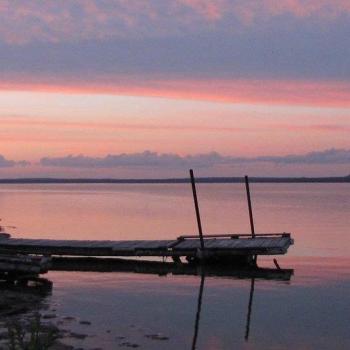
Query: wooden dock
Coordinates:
[215,246]
[237,248]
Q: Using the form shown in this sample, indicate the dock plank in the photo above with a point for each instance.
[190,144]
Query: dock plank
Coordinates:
[183,247]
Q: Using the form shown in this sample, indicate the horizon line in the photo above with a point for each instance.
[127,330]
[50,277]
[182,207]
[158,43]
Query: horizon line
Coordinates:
[200,179]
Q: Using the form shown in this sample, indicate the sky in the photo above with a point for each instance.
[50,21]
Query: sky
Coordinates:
[136,88]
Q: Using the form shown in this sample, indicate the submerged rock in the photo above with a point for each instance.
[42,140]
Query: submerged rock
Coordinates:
[49,316]
[129,345]
[69,318]
[61,346]
[156,337]
[88,323]
[77,335]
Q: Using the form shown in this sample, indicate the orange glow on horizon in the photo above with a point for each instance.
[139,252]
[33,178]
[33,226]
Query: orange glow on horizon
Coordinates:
[303,93]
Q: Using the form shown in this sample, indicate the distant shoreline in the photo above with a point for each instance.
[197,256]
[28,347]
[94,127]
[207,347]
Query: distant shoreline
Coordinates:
[213,180]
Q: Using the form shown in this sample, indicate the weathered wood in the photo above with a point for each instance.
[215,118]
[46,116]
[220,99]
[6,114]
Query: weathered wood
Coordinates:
[222,246]
[16,267]
[4,235]
[193,183]
[237,235]
[249,206]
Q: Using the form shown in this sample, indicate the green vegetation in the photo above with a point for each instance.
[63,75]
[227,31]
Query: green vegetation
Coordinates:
[32,335]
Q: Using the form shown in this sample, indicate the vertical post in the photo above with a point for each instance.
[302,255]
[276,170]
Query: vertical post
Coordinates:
[249,207]
[197,209]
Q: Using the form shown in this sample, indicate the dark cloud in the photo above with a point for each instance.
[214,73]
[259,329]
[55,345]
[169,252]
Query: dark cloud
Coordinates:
[6,163]
[274,53]
[331,156]
[153,159]
[145,159]
[167,40]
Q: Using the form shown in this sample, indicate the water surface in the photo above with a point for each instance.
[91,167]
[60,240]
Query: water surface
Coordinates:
[311,311]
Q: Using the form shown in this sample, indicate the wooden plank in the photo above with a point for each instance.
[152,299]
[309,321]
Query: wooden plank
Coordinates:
[210,243]
[233,243]
[188,244]
[259,245]
[155,245]
[243,243]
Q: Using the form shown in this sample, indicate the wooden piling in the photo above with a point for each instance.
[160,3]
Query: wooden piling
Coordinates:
[197,209]
[249,206]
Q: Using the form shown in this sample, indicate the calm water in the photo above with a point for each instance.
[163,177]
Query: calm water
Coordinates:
[312,311]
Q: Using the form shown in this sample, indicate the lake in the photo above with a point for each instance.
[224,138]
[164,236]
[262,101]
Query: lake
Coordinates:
[121,310]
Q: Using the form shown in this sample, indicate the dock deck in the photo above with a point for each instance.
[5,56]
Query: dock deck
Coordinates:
[184,246]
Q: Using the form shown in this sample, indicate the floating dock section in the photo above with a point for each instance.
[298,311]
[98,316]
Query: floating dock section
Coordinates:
[216,246]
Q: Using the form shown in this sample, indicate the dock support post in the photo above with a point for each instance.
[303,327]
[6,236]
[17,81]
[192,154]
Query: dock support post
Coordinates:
[249,206]
[255,257]
[197,209]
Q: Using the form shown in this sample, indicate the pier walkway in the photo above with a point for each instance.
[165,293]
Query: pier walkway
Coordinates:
[220,246]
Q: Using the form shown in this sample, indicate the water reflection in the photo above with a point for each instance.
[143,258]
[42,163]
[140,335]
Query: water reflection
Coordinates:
[199,307]
[159,268]
[198,314]
[164,268]
[19,298]
[116,212]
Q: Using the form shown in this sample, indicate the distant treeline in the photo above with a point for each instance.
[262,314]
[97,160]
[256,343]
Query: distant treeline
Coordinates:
[213,180]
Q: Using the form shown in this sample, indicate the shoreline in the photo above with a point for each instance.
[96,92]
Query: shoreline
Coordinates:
[208,180]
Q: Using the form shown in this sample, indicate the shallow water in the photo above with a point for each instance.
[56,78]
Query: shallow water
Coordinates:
[311,311]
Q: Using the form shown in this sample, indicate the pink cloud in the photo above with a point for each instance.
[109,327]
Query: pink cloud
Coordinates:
[43,123]
[247,91]
[212,10]
[306,8]
[315,127]
[53,21]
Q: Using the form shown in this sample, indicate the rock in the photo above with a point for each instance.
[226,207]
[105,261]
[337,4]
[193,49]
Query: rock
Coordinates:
[156,337]
[129,345]
[61,346]
[4,335]
[69,318]
[77,335]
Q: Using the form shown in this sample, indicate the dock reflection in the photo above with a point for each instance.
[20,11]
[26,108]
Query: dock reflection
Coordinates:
[91,264]
[250,273]
[199,308]
[250,306]
[198,313]
[20,299]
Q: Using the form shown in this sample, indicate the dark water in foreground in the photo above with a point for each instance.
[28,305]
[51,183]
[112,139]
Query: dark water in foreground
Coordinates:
[311,311]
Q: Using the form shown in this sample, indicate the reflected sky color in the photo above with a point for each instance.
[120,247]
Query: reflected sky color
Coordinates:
[311,311]
[315,214]
[283,315]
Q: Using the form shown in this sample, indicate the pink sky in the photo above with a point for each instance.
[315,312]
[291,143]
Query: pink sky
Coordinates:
[186,77]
